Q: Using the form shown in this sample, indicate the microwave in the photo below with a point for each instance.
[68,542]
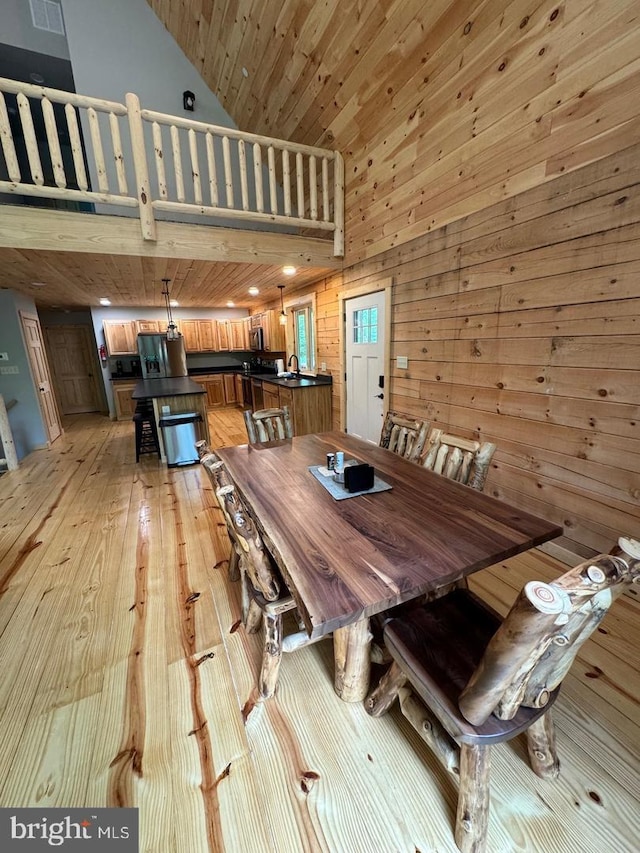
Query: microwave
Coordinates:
[257,339]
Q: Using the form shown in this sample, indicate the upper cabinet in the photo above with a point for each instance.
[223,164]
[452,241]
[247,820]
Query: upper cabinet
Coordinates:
[275,339]
[199,335]
[224,334]
[157,326]
[208,335]
[120,337]
[239,330]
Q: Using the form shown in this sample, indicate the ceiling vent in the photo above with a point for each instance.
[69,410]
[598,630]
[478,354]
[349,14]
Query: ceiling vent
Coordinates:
[47,15]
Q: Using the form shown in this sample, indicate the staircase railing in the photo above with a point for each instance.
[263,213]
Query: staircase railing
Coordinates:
[63,145]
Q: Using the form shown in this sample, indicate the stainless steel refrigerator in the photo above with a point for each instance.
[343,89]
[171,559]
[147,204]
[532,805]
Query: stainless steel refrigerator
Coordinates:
[160,357]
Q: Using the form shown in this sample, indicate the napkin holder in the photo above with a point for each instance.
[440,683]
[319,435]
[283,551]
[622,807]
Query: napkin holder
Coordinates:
[358,478]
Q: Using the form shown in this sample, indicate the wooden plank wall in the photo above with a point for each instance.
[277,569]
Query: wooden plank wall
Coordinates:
[522,326]
[440,108]
[512,94]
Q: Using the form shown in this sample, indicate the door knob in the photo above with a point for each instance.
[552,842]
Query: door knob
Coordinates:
[380,396]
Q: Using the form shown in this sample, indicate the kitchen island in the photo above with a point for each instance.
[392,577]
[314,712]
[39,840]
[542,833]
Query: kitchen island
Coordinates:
[180,395]
[308,399]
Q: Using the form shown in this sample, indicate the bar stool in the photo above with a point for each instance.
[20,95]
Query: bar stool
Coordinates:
[146,429]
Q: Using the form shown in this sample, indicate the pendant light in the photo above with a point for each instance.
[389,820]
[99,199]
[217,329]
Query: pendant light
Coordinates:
[172,330]
[283,316]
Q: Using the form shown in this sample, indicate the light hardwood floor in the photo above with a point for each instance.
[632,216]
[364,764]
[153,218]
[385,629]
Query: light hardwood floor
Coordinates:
[126,680]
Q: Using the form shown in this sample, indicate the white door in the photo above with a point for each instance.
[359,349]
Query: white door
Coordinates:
[365,364]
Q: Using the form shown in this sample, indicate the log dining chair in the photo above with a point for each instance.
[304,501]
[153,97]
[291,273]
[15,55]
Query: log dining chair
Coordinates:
[268,424]
[466,680]
[265,597]
[461,459]
[404,435]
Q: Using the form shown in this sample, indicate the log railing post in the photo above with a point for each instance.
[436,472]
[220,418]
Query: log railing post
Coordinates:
[143,191]
[6,436]
[338,205]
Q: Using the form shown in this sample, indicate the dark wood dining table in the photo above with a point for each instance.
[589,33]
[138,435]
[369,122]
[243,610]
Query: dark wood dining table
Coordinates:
[346,560]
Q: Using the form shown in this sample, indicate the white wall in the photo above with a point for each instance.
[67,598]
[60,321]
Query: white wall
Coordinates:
[121,46]
[17,29]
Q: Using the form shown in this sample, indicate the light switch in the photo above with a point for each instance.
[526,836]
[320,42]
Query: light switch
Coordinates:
[7,370]
[402,361]
[4,356]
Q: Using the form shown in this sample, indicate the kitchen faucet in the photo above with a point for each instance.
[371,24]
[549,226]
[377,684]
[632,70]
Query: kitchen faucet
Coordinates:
[291,357]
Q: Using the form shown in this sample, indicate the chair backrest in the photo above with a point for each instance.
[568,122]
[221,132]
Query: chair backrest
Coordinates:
[254,558]
[404,435]
[461,459]
[268,424]
[532,651]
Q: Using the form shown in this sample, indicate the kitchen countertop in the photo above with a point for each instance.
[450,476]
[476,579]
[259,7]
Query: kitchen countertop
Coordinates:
[171,386]
[302,382]
[202,371]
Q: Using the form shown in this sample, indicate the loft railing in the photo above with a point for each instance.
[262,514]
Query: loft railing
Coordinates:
[62,145]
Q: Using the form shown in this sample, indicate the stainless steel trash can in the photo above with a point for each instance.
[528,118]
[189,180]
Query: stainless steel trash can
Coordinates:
[179,437]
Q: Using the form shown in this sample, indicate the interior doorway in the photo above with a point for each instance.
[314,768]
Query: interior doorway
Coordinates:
[366,356]
[72,367]
[41,376]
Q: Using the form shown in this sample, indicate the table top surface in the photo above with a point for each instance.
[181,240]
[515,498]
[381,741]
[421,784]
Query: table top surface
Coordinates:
[346,560]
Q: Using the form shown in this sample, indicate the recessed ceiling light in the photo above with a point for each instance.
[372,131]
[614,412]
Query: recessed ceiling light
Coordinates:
[245,73]
[254,291]
[289,270]
[36,78]
[38,284]
[174,303]
[230,304]
[105,301]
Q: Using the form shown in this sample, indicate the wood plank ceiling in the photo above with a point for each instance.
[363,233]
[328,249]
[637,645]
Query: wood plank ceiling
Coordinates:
[72,280]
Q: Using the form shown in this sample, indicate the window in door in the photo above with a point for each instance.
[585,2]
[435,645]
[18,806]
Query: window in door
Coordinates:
[365,325]
[304,343]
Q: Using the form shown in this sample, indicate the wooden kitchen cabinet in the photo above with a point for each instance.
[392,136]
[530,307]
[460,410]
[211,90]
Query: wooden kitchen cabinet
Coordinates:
[309,406]
[275,339]
[224,334]
[221,389]
[199,335]
[208,335]
[270,396]
[230,394]
[124,405]
[214,388]
[189,329]
[157,326]
[239,391]
[239,335]
[120,337]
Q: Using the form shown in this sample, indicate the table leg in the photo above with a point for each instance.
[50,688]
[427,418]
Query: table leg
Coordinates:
[352,652]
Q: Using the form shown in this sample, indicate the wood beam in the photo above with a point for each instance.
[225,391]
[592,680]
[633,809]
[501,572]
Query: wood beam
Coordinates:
[64,231]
